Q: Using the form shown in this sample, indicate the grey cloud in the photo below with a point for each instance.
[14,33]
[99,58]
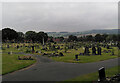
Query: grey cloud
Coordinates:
[51,16]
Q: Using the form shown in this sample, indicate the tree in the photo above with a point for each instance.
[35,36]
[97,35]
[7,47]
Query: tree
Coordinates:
[98,38]
[31,36]
[104,37]
[81,38]
[50,39]
[9,34]
[61,38]
[72,38]
[115,37]
[109,38]
[89,38]
[42,37]
[20,36]
[118,37]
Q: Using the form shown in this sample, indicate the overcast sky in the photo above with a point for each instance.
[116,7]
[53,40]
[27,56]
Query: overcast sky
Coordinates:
[60,16]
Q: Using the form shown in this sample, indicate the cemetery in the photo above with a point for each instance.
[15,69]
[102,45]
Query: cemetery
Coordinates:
[65,53]
[21,54]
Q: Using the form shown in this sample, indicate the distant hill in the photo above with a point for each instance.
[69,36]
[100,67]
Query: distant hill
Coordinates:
[103,31]
[66,34]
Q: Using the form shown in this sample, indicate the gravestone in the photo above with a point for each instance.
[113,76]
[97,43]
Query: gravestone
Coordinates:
[102,76]
[39,52]
[76,57]
[86,52]
[81,54]
[72,47]
[53,47]
[104,46]
[99,50]
[58,47]
[61,54]
[44,54]
[17,46]
[108,47]
[36,51]
[56,55]
[118,45]
[8,52]
[8,46]
[93,50]
[33,50]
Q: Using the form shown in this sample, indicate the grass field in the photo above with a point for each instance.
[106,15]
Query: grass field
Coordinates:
[89,78]
[69,55]
[11,63]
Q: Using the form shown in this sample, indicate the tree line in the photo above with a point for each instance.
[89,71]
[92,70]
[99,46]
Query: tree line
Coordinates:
[10,35]
[96,38]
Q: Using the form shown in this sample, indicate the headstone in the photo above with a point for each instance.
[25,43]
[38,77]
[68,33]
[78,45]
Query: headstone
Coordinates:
[8,52]
[104,46]
[11,52]
[8,46]
[36,51]
[33,50]
[86,52]
[76,57]
[102,74]
[118,45]
[17,46]
[93,50]
[99,50]
[108,47]
[58,47]
[81,54]
[61,54]
[72,47]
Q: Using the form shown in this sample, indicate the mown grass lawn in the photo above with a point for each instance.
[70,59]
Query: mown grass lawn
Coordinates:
[11,63]
[89,78]
[70,56]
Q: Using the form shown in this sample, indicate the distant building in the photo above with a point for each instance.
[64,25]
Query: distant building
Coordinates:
[56,39]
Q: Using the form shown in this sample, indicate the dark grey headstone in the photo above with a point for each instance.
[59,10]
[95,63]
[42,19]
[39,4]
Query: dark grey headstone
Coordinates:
[76,57]
[102,74]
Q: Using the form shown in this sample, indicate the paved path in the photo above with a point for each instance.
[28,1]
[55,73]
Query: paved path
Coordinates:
[47,70]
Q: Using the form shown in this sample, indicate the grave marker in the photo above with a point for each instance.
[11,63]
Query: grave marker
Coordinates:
[102,74]
[76,57]
[93,50]
[99,50]
[33,50]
